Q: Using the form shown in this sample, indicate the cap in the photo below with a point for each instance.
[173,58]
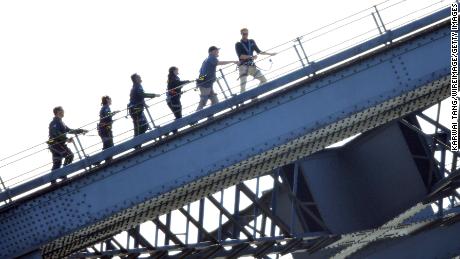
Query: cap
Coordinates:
[212,48]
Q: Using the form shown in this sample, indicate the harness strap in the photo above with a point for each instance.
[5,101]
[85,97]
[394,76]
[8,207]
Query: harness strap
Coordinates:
[248,50]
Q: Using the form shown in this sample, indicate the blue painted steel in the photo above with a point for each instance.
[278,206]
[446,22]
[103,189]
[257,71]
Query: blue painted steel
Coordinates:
[236,212]
[248,95]
[273,201]
[219,229]
[114,190]
[37,254]
[294,192]
[201,220]
[437,242]
[352,185]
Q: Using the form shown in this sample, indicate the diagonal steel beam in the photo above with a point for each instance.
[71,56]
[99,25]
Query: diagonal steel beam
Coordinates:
[266,210]
[300,205]
[244,219]
[135,233]
[198,225]
[167,232]
[230,217]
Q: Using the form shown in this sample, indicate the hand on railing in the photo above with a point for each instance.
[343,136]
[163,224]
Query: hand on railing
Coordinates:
[114,112]
[78,131]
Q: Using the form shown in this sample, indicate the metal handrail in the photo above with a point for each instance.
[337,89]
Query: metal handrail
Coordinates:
[310,66]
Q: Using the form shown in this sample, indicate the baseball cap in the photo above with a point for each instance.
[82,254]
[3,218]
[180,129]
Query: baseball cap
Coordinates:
[212,48]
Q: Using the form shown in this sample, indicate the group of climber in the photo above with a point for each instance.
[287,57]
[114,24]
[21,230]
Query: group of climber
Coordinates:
[207,76]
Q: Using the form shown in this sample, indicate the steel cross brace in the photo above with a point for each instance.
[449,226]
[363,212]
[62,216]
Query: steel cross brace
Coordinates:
[230,217]
[139,239]
[167,232]
[265,209]
[245,217]
[198,225]
[300,205]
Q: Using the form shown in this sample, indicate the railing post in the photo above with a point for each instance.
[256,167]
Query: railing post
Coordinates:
[225,81]
[298,54]
[76,148]
[303,50]
[222,89]
[376,23]
[380,18]
[81,146]
[78,151]
[150,116]
[5,189]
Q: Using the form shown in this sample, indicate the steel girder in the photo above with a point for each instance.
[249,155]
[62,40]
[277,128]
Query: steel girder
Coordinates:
[397,238]
[231,148]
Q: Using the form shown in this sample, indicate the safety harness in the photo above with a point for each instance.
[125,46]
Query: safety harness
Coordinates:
[249,50]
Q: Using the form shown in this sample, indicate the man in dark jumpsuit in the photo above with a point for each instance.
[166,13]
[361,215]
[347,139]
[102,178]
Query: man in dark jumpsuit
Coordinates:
[136,106]
[58,139]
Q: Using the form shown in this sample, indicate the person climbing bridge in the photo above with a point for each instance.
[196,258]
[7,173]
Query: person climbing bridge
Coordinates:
[58,139]
[207,77]
[137,104]
[247,67]
[174,91]
[104,127]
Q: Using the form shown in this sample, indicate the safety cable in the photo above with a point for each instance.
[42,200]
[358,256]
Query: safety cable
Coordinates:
[128,131]
[287,42]
[125,132]
[337,44]
[169,114]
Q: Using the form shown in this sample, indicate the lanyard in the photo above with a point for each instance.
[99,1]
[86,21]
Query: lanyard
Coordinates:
[248,48]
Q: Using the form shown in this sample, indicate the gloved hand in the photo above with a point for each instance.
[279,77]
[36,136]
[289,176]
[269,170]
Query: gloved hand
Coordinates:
[79,131]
